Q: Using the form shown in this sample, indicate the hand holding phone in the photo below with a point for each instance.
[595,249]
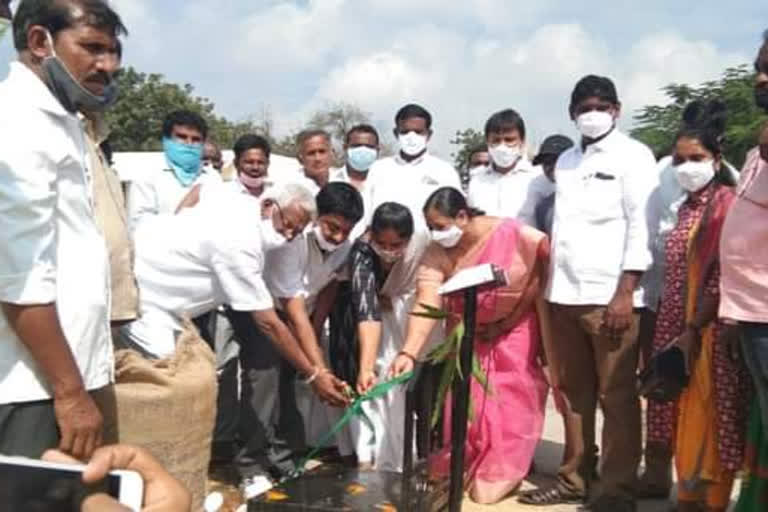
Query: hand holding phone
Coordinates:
[161,493]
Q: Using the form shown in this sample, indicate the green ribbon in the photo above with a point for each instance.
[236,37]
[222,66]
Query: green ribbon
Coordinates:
[355,409]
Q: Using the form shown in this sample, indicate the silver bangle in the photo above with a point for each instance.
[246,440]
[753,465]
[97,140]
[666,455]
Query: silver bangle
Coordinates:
[309,380]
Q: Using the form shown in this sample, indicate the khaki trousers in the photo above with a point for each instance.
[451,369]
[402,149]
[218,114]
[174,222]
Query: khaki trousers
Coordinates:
[596,368]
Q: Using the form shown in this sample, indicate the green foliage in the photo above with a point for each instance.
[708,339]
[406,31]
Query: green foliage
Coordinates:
[447,354]
[657,125]
[466,141]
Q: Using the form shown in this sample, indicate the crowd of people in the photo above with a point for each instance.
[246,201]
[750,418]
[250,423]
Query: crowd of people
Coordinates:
[193,315]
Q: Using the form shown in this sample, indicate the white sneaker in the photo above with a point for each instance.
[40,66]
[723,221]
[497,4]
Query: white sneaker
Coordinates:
[255,486]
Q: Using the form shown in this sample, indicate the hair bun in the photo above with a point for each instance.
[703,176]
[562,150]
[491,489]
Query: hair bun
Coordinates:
[705,115]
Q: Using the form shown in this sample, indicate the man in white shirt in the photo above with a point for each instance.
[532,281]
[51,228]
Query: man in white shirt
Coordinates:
[55,345]
[477,160]
[213,160]
[412,174]
[301,276]
[509,186]
[161,191]
[600,251]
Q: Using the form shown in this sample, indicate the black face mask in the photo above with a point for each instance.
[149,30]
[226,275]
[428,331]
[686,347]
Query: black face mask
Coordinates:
[761,97]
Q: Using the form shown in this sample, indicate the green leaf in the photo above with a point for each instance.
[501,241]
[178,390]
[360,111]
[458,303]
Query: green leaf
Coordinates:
[446,380]
[479,374]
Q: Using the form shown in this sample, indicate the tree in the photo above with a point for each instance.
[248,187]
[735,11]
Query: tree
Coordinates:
[466,140]
[657,125]
[145,99]
[337,119]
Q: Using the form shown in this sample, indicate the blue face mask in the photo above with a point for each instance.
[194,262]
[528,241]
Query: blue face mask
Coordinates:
[361,158]
[185,160]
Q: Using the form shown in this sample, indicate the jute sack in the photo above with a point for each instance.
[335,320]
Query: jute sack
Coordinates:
[168,406]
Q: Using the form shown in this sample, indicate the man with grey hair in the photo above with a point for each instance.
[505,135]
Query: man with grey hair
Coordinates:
[202,258]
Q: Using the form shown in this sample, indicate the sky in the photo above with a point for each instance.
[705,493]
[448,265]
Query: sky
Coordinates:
[461,59]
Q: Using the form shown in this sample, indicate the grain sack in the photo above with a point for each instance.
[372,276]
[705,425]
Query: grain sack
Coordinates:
[168,406]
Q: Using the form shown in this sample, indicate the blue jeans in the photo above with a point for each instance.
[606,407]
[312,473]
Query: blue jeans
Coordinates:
[754,343]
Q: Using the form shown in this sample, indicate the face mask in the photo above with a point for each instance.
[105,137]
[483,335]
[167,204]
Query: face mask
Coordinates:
[209,168]
[386,256]
[448,238]
[505,156]
[270,237]
[361,158]
[412,143]
[694,176]
[761,98]
[73,96]
[252,183]
[594,125]
[184,159]
[5,26]
[325,245]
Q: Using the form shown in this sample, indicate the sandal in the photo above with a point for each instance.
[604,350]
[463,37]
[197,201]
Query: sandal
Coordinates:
[555,494]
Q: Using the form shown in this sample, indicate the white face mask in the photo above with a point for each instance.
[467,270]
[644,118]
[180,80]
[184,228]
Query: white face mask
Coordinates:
[270,237]
[387,256]
[412,143]
[448,238]
[505,156]
[324,244]
[476,169]
[5,26]
[594,124]
[694,176]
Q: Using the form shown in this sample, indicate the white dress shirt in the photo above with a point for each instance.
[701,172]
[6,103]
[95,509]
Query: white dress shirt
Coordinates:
[513,194]
[159,193]
[410,183]
[600,228]
[51,250]
[193,262]
[301,269]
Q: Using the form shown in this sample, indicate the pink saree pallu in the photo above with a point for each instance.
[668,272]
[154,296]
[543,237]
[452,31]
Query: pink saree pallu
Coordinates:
[506,420]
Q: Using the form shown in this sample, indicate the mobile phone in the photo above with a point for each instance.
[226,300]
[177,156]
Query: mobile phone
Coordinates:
[29,484]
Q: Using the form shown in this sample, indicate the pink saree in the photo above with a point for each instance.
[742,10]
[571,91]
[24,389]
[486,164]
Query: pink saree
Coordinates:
[508,419]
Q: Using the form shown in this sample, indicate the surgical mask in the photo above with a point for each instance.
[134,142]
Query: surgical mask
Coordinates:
[504,155]
[476,169]
[412,143]
[387,256]
[325,245]
[209,168]
[5,26]
[694,176]
[361,158]
[761,98]
[251,182]
[594,124]
[70,93]
[448,238]
[184,159]
[270,238]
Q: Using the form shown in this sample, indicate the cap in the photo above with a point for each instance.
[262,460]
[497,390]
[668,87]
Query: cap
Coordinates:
[553,145]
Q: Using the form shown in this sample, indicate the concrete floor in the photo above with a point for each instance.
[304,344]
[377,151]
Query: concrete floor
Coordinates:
[548,456]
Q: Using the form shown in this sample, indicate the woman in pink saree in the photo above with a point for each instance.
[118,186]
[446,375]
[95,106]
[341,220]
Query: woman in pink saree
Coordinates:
[507,420]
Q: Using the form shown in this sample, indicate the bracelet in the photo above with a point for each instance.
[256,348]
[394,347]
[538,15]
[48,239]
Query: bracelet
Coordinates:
[409,356]
[309,380]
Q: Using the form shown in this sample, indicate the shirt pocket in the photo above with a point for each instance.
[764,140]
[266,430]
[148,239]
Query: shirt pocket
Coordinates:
[602,199]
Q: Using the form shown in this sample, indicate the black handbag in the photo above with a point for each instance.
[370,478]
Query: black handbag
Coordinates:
[665,376]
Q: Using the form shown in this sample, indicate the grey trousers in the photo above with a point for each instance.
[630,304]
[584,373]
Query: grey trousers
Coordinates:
[271,430]
[28,429]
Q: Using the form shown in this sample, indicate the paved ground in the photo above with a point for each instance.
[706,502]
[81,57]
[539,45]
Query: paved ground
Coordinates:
[548,457]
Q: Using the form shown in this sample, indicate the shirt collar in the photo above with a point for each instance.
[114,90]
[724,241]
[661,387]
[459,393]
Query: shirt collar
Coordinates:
[35,89]
[400,160]
[522,165]
[604,144]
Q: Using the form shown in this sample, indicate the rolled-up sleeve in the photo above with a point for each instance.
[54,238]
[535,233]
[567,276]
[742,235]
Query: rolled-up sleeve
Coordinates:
[27,224]
[640,179]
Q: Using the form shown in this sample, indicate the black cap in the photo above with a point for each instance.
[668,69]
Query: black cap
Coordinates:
[553,145]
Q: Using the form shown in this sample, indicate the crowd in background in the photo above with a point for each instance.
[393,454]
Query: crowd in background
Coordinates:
[233,318]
